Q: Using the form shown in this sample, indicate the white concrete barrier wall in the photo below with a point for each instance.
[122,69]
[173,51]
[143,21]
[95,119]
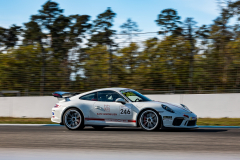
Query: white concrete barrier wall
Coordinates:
[34,107]
[204,105]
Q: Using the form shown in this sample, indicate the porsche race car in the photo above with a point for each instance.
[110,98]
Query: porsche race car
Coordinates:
[119,107]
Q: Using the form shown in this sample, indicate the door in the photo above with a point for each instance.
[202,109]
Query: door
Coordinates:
[106,111]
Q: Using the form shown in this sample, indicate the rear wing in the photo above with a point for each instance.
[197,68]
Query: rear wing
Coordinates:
[63,95]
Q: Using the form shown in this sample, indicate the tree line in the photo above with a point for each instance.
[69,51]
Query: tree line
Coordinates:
[57,52]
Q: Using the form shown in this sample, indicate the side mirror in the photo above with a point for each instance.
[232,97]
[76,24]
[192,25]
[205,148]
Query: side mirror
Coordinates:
[120,100]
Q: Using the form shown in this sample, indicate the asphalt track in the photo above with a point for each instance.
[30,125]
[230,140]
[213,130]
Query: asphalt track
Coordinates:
[214,141]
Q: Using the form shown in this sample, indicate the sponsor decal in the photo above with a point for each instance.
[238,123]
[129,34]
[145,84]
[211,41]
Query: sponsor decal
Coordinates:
[126,90]
[167,118]
[94,119]
[56,106]
[119,120]
[124,110]
[106,108]
[107,114]
[111,120]
[116,120]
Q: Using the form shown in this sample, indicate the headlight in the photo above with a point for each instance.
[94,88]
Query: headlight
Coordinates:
[185,106]
[167,108]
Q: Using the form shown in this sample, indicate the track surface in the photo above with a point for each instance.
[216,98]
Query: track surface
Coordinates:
[131,139]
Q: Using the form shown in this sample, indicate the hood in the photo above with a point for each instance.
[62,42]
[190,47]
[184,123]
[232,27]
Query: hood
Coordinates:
[158,106]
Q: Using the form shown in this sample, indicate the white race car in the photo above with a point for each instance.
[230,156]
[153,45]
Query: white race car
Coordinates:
[120,107]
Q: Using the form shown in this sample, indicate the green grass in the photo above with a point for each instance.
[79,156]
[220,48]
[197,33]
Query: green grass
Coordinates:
[10,120]
[218,122]
[201,121]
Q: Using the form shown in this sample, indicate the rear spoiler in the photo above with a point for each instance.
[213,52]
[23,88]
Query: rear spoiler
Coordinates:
[63,95]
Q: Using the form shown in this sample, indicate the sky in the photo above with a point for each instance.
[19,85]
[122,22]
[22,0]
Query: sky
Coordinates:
[144,12]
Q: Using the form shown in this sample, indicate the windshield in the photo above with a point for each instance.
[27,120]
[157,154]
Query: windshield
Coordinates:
[134,96]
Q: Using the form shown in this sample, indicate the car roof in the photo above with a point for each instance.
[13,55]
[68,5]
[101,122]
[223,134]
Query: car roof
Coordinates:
[105,89]
[114,89]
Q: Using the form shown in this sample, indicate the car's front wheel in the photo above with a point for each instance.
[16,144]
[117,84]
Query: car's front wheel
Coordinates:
[73,119]
[149,120]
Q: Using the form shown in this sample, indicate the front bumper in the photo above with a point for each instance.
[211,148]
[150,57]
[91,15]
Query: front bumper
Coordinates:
[180,121]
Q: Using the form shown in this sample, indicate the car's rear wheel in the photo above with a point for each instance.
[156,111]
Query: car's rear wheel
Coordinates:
[73,119]
[98,127]
[149,120]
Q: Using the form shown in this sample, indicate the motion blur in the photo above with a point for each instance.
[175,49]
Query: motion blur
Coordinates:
[176,73]
[57,52]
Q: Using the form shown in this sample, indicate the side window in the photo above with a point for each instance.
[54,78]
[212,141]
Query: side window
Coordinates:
[108,96]
[90,97]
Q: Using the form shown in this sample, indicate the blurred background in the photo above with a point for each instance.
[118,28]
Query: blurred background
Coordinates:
[76,53]
[178,51]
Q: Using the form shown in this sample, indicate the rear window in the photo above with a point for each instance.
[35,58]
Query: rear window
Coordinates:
[90,97]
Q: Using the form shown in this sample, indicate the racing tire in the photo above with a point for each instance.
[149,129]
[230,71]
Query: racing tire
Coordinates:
[98,127]
[150,120]
[73,119]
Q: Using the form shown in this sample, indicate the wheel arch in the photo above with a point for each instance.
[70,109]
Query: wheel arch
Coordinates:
[69,108]
[144,109]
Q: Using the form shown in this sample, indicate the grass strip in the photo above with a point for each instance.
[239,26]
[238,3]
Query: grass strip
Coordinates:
[11,120]
[200,122]
[218,122]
